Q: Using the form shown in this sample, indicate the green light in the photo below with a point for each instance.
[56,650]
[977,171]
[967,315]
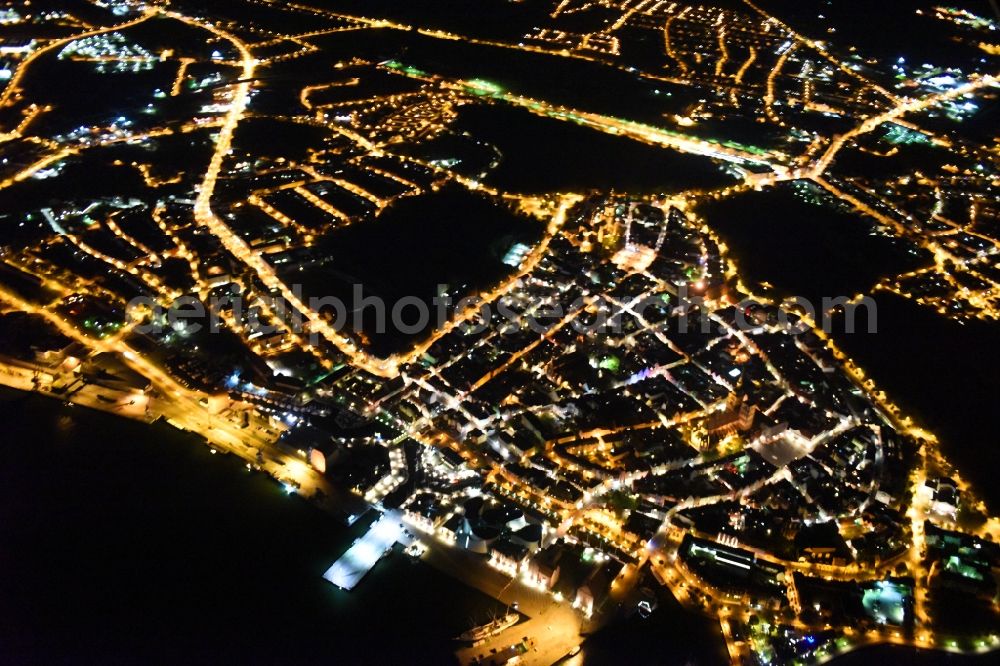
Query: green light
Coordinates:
[610,363]
[482,87]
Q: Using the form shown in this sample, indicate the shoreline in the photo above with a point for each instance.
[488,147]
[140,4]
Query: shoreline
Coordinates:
[540,609]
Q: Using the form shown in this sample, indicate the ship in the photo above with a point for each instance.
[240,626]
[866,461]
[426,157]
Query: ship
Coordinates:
[490,629]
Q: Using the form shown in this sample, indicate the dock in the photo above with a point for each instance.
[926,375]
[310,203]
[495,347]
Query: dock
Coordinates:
[359,559]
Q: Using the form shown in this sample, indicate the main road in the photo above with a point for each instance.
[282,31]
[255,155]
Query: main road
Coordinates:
[236,245]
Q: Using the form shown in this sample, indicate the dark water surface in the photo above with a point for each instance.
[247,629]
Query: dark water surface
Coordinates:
[125,543]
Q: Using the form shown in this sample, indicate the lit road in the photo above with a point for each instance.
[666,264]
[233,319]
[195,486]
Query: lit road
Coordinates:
[901,109]
[13,85]
[552,627]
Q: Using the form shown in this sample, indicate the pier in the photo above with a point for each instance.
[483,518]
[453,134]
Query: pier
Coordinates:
[359,559]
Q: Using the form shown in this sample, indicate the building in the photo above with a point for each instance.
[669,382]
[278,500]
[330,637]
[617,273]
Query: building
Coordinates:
[424,512]
[107,370]
[597,587]
[543,569]
[964,576]
[736,416]
[529,536]
[17,46]
[946,499]
[507,555]
[822,543]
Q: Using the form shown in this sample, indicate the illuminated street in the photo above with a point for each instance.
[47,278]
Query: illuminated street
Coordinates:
[565,301]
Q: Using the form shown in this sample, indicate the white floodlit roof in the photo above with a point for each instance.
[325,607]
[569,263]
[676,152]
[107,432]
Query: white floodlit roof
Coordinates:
[352,566]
